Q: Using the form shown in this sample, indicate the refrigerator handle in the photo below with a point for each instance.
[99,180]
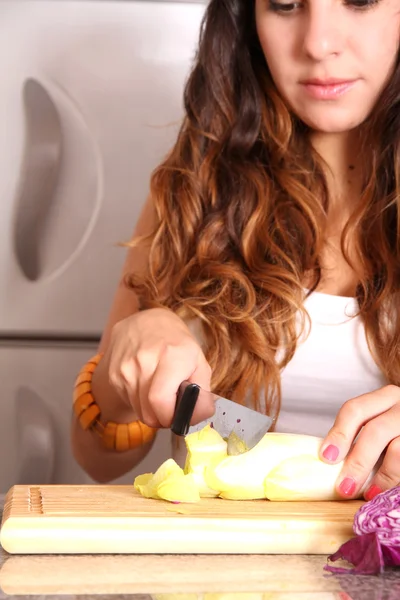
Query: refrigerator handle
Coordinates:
[36,439]
[40,173]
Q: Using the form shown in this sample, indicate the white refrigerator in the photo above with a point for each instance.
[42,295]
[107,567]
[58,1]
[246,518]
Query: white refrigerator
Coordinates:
[90,102]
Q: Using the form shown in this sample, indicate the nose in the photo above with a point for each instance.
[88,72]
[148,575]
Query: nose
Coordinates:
[324,32]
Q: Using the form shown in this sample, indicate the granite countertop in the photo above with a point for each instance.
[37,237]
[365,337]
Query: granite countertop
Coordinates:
[199,577]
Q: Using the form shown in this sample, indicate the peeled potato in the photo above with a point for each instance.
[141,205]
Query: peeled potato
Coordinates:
[148,483]
[302,478]
[179,488]
[235,445]
[206,448]
[281,467]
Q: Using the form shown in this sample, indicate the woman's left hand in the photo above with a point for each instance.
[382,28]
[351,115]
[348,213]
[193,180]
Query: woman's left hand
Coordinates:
[378,413]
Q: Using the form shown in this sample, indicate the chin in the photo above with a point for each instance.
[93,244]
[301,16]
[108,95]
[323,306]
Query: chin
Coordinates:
[332,121]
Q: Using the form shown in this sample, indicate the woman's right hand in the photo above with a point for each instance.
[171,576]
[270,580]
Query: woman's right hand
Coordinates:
[149,355]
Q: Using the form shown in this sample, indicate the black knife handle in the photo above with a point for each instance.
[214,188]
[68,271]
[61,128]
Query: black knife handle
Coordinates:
[186,399]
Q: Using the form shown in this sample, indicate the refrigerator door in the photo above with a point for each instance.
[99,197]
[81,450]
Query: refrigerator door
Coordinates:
[35,417]
[91,105]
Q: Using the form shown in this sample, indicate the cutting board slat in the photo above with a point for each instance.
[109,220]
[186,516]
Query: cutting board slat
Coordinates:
[116,519]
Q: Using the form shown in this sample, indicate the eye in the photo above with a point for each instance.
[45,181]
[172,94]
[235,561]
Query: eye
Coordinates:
[284,8]
[361,4]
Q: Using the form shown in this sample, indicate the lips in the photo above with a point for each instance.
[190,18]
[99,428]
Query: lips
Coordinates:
[325,82]
[328,89]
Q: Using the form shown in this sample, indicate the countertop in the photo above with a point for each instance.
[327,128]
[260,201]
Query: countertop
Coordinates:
[199,577]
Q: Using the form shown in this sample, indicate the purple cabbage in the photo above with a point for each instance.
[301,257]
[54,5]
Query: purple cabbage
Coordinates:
[377,542]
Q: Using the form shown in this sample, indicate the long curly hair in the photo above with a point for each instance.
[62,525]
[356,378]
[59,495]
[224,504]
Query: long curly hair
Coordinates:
[241,203]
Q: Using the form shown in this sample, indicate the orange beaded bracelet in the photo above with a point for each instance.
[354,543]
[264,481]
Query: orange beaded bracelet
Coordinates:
[116,436]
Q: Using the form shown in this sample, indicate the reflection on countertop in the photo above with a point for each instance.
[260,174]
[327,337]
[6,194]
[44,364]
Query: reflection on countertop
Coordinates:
[186,577]
[198,577]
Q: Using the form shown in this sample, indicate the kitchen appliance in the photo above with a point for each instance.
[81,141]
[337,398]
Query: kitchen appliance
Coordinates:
[111,519]
[91,101]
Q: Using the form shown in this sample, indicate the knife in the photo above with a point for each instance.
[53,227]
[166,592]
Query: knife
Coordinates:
[229,416]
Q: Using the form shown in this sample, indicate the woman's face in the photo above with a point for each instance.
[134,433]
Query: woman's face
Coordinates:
[330,59]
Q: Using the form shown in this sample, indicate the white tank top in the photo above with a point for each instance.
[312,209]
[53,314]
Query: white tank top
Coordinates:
[333,364]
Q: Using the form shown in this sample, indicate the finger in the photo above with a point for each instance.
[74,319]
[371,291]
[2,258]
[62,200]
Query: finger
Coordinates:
[137,375]
[116,378]
[388,476]
[135,385]
[205,405]
[353,415]
[364,455]
[148,415]
[177,364]
[130,373]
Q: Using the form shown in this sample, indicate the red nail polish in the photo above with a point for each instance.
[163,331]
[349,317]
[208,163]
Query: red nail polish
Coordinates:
[348,486]
[331,452]
[373,491]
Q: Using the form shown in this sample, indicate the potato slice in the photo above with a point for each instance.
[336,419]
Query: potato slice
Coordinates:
[179,488]
[206,448]
[148,483]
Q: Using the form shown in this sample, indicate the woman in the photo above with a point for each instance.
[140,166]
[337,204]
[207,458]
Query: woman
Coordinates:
[269,269]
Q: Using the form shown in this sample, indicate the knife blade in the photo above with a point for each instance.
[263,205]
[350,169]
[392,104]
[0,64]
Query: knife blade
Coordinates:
[228,417]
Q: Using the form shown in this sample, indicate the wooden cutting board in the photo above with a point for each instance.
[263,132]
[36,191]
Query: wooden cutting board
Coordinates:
[115,519]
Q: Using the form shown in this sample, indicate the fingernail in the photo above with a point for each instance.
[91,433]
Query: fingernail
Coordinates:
[373,491]
[331,452]
[348,486]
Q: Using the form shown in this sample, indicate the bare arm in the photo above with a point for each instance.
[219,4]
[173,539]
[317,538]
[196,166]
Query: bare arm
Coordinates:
[100,464]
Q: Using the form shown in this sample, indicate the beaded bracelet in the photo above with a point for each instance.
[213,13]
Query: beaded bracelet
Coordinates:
[115,436]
